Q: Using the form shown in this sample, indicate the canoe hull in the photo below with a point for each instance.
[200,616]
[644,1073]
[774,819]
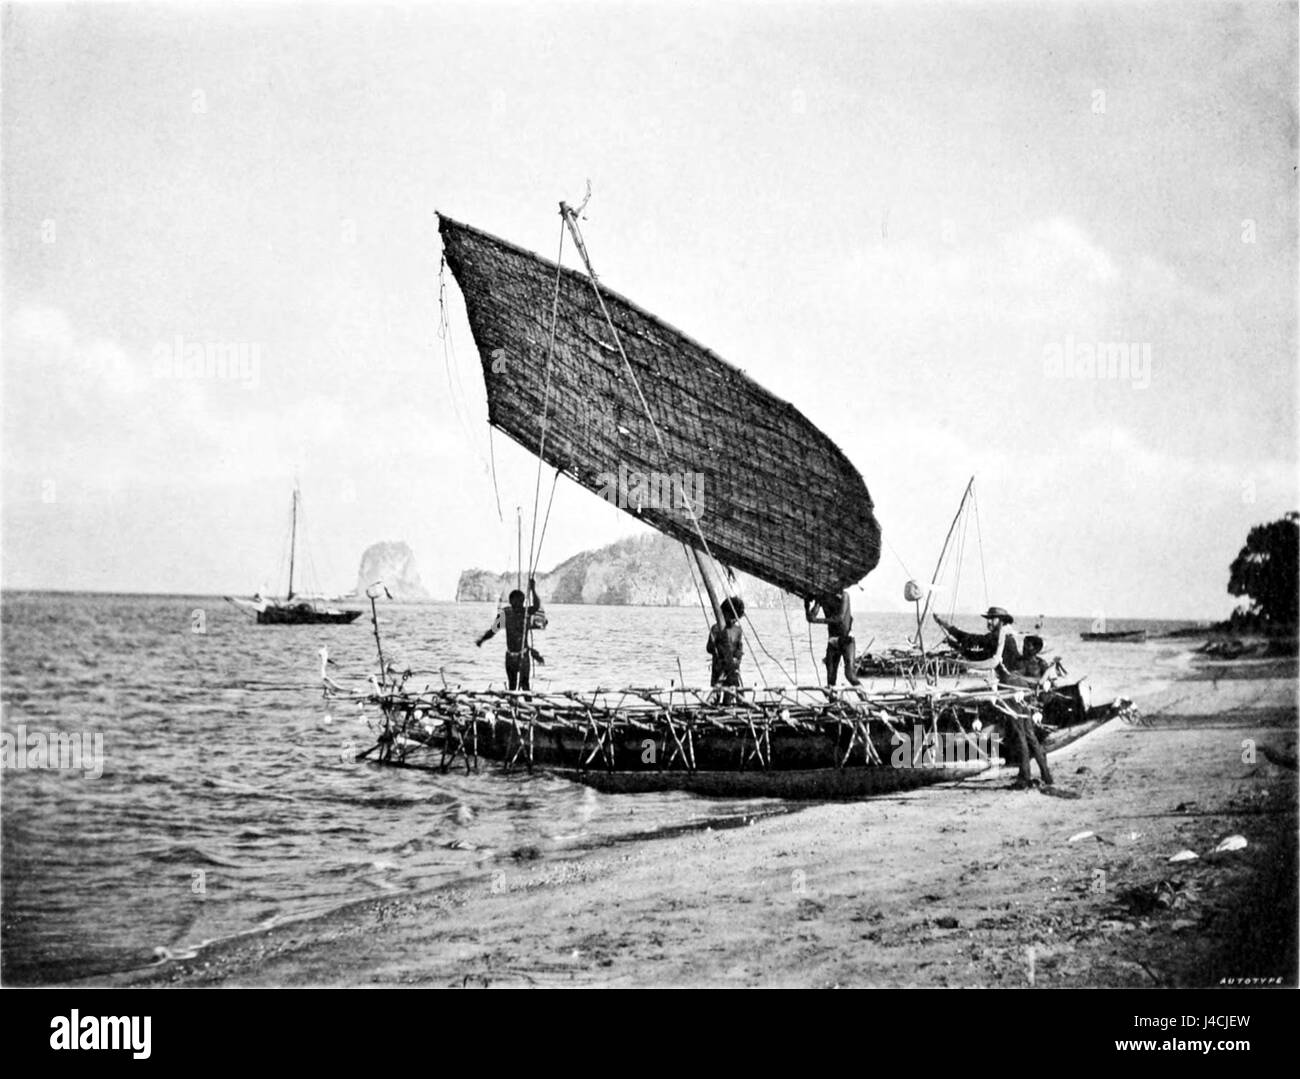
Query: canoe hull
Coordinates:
[644,740]
[271,613]
[815,784]
[649,753]
[804,784]
[303,615]
[800,766]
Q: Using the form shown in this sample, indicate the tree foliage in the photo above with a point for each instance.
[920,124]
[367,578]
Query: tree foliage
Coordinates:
[1267,570]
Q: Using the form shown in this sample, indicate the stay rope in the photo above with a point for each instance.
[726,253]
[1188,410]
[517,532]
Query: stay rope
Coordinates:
[899,558]
[958,563]
[492,454]
[571,220]
[794,654]
[953,555]
[534,547]
[769,656]
[955,559]
[532,568]
[979,539]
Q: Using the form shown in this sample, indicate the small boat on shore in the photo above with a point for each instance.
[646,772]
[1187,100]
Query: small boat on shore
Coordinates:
[1122,636]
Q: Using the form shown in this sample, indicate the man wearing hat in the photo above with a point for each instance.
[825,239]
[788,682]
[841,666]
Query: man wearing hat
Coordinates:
[996,642]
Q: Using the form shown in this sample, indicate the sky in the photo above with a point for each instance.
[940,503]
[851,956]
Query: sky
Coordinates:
[917,222]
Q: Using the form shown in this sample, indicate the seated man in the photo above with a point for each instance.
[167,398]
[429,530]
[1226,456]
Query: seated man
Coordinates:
[993,647]
[726,645]
[1032,668]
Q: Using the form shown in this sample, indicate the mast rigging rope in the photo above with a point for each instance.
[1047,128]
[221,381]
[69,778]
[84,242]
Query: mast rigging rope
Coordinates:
[794,655]
[546,405]
[980,540]
[570,218]
[532,568]
[456,389]
[899,557]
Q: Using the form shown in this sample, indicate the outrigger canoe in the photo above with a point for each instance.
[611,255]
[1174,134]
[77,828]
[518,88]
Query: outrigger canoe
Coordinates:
[596,387]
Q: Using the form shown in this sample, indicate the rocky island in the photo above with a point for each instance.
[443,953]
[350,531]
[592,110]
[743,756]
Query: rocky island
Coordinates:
[641,571]
[394,564]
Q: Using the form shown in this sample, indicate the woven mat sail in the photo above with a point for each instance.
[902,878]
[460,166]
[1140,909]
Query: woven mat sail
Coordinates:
[772,494]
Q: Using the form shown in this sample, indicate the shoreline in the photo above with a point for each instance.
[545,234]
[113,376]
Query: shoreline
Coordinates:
[961,884]
[1186,627]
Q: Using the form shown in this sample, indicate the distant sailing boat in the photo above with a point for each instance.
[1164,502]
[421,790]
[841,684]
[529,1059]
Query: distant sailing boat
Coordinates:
[273,612]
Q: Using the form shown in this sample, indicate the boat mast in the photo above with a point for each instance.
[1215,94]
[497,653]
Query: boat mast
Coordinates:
[293,541]
[929,597]
[709,587]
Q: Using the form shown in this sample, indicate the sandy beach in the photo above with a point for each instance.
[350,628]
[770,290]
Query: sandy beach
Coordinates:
[964,885]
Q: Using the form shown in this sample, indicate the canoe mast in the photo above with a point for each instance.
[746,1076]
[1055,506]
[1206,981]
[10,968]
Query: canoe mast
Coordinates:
[293,544]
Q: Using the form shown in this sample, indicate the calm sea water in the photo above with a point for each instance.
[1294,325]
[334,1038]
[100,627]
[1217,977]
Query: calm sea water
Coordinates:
[229,799]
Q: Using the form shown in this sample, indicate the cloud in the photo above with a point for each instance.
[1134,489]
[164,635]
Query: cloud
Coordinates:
[1048,252]
[1050,273]
[91,409]
[1181,478]
[41,325]
[1048,270]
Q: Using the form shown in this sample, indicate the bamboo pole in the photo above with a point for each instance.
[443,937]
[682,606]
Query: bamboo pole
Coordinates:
[939,565]
[710,587]
[379,647]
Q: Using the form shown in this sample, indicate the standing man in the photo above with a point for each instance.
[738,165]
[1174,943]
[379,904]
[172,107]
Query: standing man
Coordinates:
[1032,673]
[837,615]
[1027,743]
[517,620]
[726,645]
